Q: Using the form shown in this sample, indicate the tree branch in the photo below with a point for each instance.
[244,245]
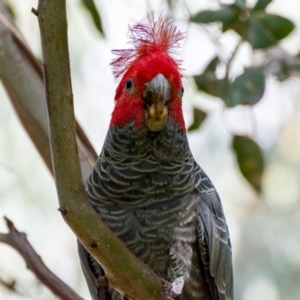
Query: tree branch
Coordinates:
[22,77]
[124,271]
[19,242]
[19,78]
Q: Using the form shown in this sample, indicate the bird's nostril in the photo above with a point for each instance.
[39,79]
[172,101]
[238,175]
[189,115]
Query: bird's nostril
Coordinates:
[148,97]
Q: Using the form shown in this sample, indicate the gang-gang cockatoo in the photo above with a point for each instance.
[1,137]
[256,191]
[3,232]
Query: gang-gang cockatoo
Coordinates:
[146,185]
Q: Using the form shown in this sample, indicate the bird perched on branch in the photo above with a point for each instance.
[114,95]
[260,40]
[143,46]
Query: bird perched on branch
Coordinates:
[146,185]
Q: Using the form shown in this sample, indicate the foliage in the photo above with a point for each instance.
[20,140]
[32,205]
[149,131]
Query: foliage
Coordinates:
[260,30]
[250,159]
[199,116]
[95,14]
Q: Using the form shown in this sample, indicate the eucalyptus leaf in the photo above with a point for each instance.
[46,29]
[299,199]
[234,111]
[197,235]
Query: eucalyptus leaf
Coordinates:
[261,4]
[10,9]
[212,65]
[261,30]
[207,81]
[91,7]
[247,89]
[198,117]
[250,160]
[226,15]
[171,3]
[279,27]
[212,86]
[258,35]
[240,3]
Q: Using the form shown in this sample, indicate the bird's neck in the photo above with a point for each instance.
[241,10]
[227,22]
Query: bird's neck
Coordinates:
[140,168]
[167,146]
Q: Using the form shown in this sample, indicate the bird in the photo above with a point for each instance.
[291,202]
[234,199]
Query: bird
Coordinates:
[146,185]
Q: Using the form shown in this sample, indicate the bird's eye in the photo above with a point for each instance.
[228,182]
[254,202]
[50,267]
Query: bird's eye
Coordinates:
[182,91]
[128,85]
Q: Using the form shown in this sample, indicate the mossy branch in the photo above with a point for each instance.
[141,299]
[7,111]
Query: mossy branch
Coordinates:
[123,270]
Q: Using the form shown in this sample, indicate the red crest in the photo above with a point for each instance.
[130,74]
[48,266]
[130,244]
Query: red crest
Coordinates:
[147,36]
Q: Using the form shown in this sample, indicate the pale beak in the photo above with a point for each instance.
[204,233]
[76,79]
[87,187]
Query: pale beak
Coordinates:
[156,95]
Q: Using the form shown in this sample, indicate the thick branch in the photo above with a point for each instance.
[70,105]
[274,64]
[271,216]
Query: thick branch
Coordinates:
[19,242]
[124,272]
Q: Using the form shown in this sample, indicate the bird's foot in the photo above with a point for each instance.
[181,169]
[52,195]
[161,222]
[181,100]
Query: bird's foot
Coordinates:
[177,286]
[165,285]
[174,289]
[166,288]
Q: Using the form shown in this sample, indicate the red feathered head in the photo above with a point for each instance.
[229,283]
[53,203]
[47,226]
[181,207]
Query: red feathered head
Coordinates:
[150,90]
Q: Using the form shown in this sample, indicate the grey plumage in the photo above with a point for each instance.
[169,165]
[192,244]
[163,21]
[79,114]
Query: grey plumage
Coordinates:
[147,187]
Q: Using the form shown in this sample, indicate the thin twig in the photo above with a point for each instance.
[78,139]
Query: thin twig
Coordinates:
[19,242]
[228,64]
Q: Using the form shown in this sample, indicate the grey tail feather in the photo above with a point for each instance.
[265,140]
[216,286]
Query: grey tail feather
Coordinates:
[92,270]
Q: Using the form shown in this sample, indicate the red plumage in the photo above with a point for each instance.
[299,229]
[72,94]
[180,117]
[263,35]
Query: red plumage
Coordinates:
[153,52]
[146,185]
[148,36]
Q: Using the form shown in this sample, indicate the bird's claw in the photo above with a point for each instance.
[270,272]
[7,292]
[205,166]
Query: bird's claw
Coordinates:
[174,289]
[166,287]
[177,286]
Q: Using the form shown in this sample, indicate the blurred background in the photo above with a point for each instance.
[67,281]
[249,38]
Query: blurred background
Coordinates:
[262,205]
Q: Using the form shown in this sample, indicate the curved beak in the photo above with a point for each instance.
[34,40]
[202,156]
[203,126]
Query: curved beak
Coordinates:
[157,90]
[156,95]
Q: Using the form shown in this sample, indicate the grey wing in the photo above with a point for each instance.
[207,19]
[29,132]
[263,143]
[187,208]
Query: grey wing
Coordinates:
[92,270]
[214,241]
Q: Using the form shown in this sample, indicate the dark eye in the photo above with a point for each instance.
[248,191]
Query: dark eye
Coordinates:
[128,85]
[182,91]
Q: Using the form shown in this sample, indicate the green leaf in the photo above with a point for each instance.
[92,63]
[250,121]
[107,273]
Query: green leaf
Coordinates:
[227,14]
[282,71]
[262,30]
[247,88]
[258,35]
[10,9]
[240,3]
[253,31]
[294,67]
[250,160]
[237,25]
[207,81]
[211,67]
[199,117]
[279,27]
[209,85]
[171,3]
[287,68]
[261,4]
[90,5]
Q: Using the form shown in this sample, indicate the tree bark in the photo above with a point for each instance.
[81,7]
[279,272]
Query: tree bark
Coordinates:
[124,271]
